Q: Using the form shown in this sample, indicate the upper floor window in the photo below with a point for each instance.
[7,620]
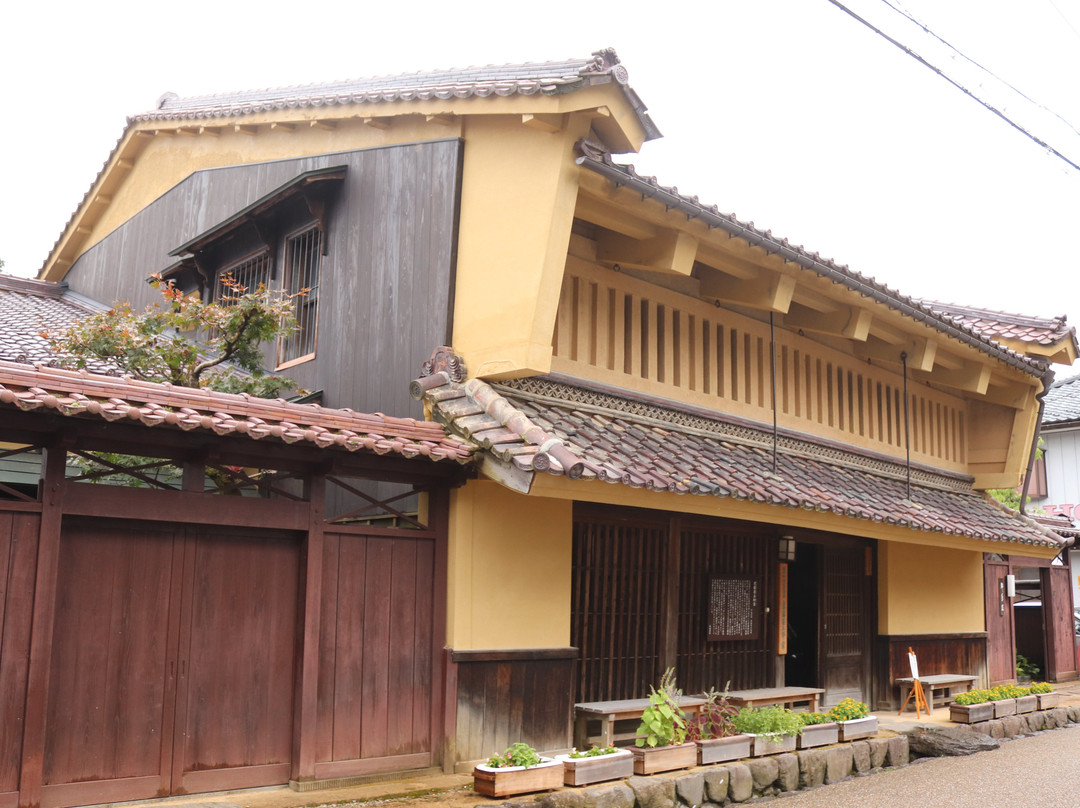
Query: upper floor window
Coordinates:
[303,251]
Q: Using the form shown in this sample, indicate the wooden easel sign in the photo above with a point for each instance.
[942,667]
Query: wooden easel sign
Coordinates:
[916,687]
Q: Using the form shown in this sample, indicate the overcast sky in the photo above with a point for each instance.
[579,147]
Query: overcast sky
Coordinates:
[786,112]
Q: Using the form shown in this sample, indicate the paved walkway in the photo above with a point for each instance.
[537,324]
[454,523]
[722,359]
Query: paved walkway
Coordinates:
[1040,771]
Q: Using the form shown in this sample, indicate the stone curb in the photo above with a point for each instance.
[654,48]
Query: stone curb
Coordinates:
[738,782]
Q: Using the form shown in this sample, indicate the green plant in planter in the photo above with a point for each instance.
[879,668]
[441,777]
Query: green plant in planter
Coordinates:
[848,710]
[662,722]
[775,721]
[1041,687]
[809,719]
[1007,692]
[714,717]
[972,697]
[517,754]
[596,751]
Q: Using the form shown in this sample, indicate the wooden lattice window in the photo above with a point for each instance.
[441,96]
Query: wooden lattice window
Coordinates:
[303,251]
[250,273]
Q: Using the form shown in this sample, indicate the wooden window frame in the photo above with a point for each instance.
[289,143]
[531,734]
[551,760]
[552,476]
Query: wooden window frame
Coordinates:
[316,249]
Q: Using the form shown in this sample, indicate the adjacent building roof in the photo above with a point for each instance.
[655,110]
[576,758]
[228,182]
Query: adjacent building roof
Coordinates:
[544,78]
[1062,403]
[550,425]
[30,308]
[79,394]
[1052,337]
[597,159]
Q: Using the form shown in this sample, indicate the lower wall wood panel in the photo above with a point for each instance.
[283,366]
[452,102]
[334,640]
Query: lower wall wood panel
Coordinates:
[937,653]
[509,696]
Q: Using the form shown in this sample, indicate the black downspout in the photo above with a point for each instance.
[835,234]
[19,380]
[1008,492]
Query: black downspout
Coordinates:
[1047,381]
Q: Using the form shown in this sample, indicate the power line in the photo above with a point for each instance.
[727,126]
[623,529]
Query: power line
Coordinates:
[955,84]
[981,67]
[1053,5]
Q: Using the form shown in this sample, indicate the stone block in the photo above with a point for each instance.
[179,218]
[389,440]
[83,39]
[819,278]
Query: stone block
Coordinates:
[787,766]
[1074,713]
[618,795]
[838,762]
[740,782]
[1061,715]
[690,788]
[811,768]
[764,771]
[860,753]
[716,783]
[995,728]
[1039,720]
[653,792]
[564,798]
[899,753]
[948,742]
[1010,725]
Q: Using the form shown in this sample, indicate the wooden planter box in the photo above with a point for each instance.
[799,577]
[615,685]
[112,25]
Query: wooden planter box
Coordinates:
[819,735]
[718,750]
[504,782]
[858,728]
[772,744]
[971,713]
[1026,704]
[1048,700]
[583,771]
[1004,707]
[664,758]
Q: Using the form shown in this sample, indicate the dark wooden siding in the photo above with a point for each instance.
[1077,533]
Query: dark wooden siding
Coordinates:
[386,290]
[1058,621]
[509,696]
[18,554]
[937,653]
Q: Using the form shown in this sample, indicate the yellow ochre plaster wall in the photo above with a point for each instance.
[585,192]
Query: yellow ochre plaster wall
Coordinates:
[929,590]
[509,563]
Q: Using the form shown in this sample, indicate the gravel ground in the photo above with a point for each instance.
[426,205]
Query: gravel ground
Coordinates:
[1040,771]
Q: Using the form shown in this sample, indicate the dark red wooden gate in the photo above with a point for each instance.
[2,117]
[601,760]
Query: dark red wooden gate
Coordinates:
[845,624]
[172,664]
[1058,623]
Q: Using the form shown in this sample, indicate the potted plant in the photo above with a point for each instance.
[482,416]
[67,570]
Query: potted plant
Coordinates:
[1045,695]
[1026,701]
[596,765]
[854,719]
[518,770]
[1003,697]
[772,728]
[971,707]
[714,732]
[660,744]
[818,729]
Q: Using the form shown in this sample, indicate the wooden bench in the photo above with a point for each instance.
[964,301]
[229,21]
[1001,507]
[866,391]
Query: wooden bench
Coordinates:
[607,713]
[767,696]
[943,683]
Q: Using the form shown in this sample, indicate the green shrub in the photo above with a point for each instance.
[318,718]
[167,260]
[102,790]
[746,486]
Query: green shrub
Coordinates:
[775,720]
[809,719]
[518,754]
[849,710]
[662,722]
[596,751]
[1040,687]
[972,697]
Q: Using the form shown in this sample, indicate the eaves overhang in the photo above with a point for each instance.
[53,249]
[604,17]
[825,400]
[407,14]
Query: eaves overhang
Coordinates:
[595,159]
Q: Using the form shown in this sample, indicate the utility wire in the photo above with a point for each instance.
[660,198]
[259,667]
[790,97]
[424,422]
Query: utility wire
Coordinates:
[1053,5]
[955,84]
[984,69]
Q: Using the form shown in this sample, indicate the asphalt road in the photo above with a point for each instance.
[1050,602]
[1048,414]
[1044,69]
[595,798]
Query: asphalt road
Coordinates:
[1041,771]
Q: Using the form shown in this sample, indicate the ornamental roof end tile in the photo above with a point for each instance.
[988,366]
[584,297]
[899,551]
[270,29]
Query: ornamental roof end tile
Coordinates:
[662,448]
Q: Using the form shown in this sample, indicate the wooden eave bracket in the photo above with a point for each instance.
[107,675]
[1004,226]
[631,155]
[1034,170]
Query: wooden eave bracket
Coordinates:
[848,321]
[671,252]
[971,377]
[545,122]
[770,291]
[605,214]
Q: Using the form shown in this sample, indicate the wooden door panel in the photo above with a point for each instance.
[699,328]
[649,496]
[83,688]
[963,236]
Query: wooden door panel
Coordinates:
[109,682]
[1058,624]
[845,613]
[1000,645]
[238,659]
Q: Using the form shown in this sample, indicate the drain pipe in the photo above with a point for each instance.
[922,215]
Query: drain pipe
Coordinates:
[1047,381]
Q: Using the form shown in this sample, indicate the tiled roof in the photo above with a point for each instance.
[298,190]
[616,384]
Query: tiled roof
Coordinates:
[29,307]
[544,78]
[597,159]
[546,425]
[1061,525]
[78,394]
[1002,325]
[1062,402]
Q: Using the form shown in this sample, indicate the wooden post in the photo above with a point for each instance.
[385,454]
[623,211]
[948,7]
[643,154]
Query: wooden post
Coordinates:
[669,617]
[444,669]
[41,632]
[307,689]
